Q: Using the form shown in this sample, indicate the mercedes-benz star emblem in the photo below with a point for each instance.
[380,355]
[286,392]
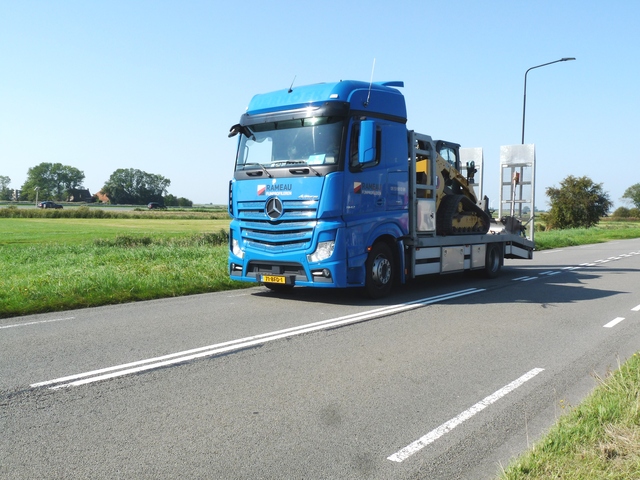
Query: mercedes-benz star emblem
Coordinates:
[273,208]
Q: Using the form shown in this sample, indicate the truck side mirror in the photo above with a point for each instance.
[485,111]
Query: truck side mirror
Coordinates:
[367,142]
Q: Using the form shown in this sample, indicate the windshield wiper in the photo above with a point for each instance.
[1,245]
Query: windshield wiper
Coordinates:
[302,162]
[260,165]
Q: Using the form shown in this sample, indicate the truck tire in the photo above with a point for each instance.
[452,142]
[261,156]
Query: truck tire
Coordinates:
[493,260]
[380,271]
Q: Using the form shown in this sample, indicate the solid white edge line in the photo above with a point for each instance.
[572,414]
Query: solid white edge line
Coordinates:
[265,338]
[231,342]
[186,352]
[36,323]
[157,362]
[613,322]
[446,427]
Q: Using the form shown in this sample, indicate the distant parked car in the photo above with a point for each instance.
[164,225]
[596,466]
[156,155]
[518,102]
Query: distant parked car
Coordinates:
[153,205]
[49,204]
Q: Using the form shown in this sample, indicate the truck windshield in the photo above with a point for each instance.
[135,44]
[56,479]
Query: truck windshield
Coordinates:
[309,141]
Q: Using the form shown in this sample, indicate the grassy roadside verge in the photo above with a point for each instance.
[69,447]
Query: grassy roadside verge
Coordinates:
[606,231]
[126,269]
[53,264]
[598,439]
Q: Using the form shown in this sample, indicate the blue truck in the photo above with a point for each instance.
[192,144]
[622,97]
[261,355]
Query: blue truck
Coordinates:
[331,190]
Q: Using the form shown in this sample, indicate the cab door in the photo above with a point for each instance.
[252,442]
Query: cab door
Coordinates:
[376,185]
[365,173]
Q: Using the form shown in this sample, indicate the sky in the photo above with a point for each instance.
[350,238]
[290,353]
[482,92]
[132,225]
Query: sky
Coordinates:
[155,85]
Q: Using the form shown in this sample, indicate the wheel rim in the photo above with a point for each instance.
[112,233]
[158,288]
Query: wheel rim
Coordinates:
[381,270]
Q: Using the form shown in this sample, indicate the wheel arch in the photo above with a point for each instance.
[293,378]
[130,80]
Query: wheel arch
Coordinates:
[397,246]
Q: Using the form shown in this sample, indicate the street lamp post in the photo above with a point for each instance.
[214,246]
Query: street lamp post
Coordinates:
[524,103]
[36,189]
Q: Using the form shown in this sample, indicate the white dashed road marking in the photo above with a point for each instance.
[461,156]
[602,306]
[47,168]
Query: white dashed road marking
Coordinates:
[446,427]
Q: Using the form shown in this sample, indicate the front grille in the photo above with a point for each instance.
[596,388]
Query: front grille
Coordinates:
[292,231]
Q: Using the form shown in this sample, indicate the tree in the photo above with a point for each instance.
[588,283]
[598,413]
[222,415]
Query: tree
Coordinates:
[53,181]
[633,194]
[173,201]
[135,187]
[622,212]
[5,192]
[170,200]
[579,202]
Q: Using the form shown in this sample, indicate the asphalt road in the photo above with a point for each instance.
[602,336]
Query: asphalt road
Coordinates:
[446,379]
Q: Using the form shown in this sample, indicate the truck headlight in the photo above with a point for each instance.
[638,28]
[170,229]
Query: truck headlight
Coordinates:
[323,251]
[235,248]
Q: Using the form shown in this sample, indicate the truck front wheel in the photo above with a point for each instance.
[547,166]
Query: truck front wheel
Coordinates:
[380,271]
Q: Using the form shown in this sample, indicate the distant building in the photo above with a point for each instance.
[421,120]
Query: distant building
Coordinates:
[79,195]
[102,197]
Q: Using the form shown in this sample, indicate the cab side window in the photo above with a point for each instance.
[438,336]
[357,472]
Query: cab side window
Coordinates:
[353,149]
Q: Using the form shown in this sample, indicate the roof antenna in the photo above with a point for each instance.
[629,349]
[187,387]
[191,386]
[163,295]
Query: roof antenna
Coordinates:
[370,82]
[291,87]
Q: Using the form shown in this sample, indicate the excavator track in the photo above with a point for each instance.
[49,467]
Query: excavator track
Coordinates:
[458,215]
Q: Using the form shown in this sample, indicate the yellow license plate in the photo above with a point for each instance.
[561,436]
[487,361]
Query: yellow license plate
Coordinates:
[274,279]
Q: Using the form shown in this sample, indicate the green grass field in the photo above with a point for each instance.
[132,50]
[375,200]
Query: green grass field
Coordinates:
[53,264]
[74,231]
[606,230]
